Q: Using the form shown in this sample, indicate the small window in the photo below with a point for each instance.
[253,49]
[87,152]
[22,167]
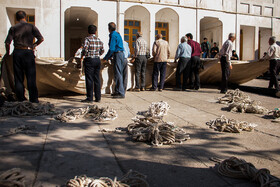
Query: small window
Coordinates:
[163,33]
[137,23]
[125,23]
[130,23]
[134,38]
[126,31]
[31,18]
[135,31]
[159,25]
[126,38]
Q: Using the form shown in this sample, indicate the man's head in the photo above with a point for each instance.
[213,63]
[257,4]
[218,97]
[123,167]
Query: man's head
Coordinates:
[231,36]
[272,40]
[112,26]
[159,36]
[189,36]
[233,52]
[183,39]
[205,39]
[139,34]
[20,15]
[92,29]
[215,44]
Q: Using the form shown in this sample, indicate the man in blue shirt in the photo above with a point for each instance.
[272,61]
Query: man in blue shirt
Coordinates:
[126,55]
[116,52]
[183,53]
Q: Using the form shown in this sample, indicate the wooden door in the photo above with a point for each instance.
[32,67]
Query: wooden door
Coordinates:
[131,27]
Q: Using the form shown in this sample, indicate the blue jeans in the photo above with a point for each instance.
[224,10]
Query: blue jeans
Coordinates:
[204,55]
[119,63]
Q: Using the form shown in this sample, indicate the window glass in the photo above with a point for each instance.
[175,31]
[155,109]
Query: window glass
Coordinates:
[163,33]
[159,25]
[130,23]
[135,31]
[126,38]
[125,23]
[133,38]
[137,23]
[31,18]
[126,31]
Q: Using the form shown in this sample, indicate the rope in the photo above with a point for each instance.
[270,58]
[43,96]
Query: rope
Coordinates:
[238,101]
[26,108]
[92,111]
[130,179]
[156,109]
[12,178]
[240,169]
[223,124]
[156,131]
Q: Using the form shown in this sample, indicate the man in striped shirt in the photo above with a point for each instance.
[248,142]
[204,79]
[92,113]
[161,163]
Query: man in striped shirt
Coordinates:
[93,48]
[140,50]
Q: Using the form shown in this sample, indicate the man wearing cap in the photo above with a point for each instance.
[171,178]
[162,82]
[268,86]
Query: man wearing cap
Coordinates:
[23,34]
[140,50]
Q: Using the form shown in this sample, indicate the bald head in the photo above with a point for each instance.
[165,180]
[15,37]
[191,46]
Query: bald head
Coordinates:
[159,36]
[231,36]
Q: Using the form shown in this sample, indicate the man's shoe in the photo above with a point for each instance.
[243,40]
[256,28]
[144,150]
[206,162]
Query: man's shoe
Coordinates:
[177,89]
[136,89]
[86,101]
[142,89]
[160,90]
[152,89]
[119,97]
[196,88]
[114,94]
[97,100]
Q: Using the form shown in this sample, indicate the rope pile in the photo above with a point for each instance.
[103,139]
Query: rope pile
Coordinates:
[276,115]
[92,111]
[157,132]
[12,178]
[240,169]
[223,124]
[26,109]
[157,109]
[240,102]
[130,179]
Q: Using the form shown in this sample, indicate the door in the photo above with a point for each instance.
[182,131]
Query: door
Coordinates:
[131,27]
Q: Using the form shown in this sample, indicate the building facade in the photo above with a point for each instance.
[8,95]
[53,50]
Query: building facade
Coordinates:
[63,23]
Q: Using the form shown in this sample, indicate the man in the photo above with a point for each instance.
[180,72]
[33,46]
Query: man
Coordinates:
[140,50]
[204,48]
[93,48]
[273,54]
[234,55]
[214,50]
[116,52]
[23,34]
[78,57]
[161,53]
[195,62]
[183,53]
[125,70]
[225,55]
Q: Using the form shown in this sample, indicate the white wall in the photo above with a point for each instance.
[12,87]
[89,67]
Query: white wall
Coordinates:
[265,34]
[248,42]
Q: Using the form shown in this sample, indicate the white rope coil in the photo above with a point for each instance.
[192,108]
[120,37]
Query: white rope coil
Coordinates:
[26,109]
[12,178]
[92,111]
[130,179]
[240,169]
[157,109]
[238,101]
[156,131]
[223,124]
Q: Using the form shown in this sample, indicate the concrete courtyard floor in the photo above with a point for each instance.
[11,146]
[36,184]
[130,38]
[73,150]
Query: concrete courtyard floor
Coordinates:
[56,152]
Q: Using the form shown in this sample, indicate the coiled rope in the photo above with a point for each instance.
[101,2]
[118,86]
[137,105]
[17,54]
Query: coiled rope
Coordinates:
[92,111]
[238,101]
[223,124]
[26,108]
[12,178]
[240,169]
[130,179]
[156,131]
[156,109]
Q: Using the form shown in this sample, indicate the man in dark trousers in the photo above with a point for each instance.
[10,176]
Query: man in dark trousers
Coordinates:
[116,50]
[92,49]
[23,34]
[195,62]
[225,55]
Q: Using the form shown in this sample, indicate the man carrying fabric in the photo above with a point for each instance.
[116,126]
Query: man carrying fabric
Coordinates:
[161,52]
[116,52]
[273,54]
[93,48]
[125,70]
[183,53]
[195,62]
[225,55]
[140,50]
[23,34]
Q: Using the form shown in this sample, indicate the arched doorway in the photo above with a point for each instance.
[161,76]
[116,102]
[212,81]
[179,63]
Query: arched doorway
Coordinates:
[136,18]
[167,24]
[212,29]
[77,20]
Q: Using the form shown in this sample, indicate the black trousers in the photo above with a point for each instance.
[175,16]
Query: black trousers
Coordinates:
[24,63]
[92,73]
[140,67]
[225,73]
[194,75]
[159,68]
[274,67]
[183,67]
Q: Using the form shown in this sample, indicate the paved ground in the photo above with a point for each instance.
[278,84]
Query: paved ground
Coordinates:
[56,152]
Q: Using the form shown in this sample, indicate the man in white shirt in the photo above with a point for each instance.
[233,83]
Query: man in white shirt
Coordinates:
[225,56]
[273,54]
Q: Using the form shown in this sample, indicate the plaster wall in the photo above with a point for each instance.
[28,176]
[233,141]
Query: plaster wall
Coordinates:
[248,42]
[265,34]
